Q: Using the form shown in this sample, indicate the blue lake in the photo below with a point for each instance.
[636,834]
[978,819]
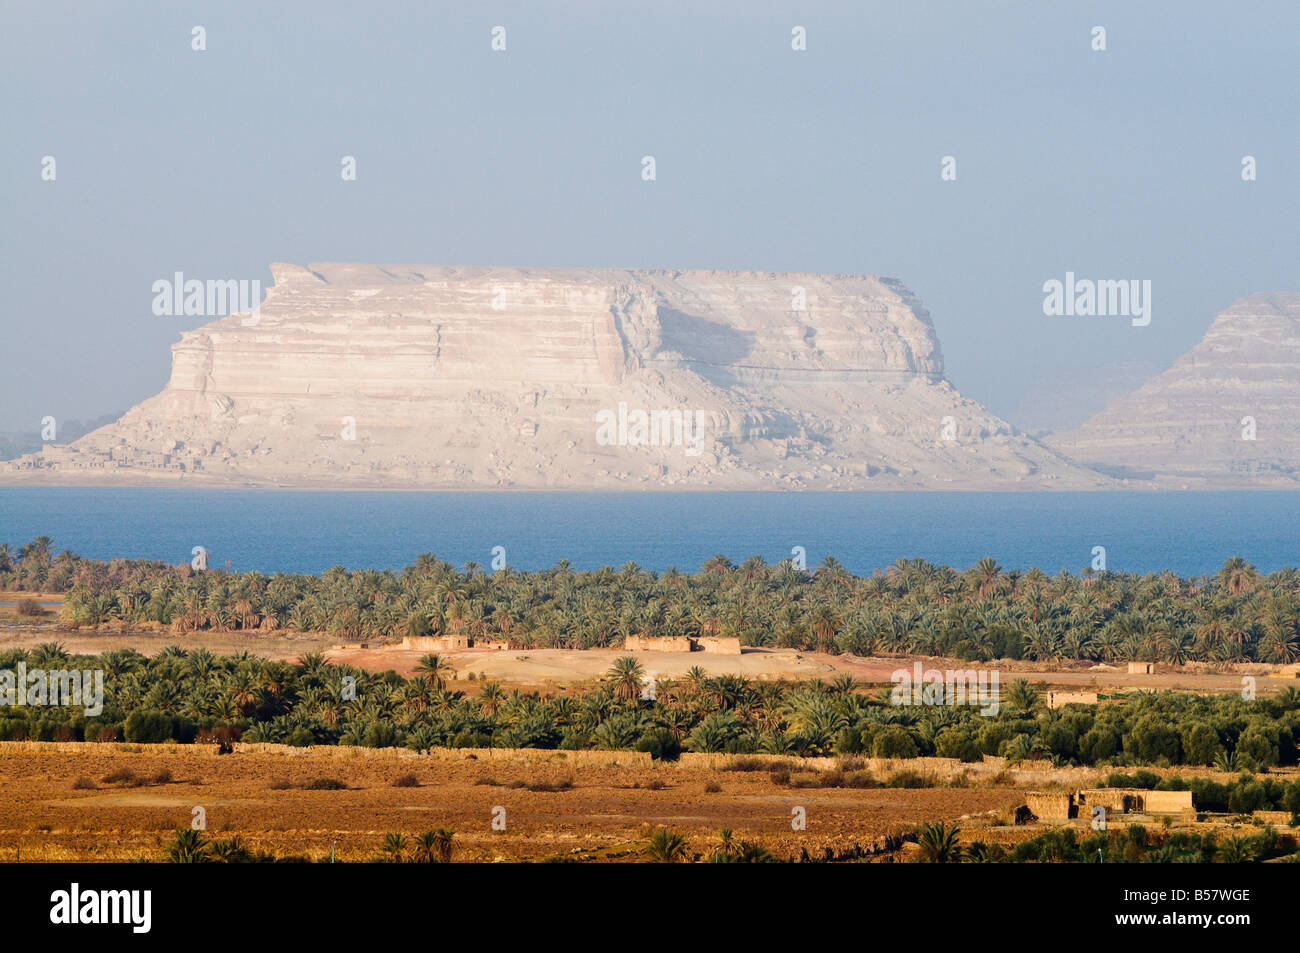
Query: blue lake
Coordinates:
[1191,533]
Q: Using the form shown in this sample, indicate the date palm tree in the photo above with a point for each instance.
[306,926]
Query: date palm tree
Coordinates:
[434,669]
[188,846]
[625,677]
[229,850]
[988,575]
[1238,576]
[1020,694]
[443,846]
[49,655]
[938,843]
[425,847]
[1177,647]
[843,684]
[1238,850]
[490,697]
[666,847]
[394,847]
[824,624]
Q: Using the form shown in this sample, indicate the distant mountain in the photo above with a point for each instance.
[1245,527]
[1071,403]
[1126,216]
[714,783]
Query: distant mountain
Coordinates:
[431,376]
[1224,414]
[16,443]
[1064,400]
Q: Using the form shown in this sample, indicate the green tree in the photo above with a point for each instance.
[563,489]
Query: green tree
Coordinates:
[938,843]
[666,847]
[188,847]
[625,676]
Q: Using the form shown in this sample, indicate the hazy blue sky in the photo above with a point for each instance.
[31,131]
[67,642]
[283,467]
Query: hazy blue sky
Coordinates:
[1116,164]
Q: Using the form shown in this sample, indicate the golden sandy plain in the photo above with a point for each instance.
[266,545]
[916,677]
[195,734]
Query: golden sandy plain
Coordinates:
[55,803]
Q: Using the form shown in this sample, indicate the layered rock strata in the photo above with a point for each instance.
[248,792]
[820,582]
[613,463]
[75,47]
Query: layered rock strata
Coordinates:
[1225,414]
[431,376]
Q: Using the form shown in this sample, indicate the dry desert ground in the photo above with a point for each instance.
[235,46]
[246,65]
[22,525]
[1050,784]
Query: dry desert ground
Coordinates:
[66,801]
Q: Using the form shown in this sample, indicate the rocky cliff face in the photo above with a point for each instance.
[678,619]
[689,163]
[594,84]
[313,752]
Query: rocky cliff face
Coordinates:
[1224,414]
[414,376]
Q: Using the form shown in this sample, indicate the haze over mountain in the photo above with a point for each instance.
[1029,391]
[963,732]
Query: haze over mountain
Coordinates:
[15,444]
[1224,414]
[433,376]
[1064,400]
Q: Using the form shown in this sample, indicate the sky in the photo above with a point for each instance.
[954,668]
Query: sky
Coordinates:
[1123,163]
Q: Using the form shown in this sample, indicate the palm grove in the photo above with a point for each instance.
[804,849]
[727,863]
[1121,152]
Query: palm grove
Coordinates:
[982,613]
[914,607]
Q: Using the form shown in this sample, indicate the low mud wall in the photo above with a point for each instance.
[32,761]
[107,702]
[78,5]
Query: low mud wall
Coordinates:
[1137,800]
[1049,807]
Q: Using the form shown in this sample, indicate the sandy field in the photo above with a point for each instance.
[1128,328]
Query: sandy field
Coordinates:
[560,667]
[1083,676]
[19,632]
[605,814]
[275,645]
[61,801]
[540,668]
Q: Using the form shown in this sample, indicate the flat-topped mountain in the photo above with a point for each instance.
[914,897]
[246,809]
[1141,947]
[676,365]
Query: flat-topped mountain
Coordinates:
[1224,414]
[432,376]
